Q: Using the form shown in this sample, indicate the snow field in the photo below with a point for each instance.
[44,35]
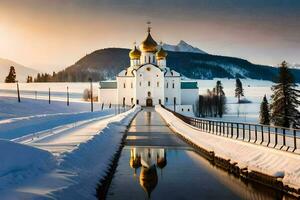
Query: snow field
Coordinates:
[77,172]
[258,158]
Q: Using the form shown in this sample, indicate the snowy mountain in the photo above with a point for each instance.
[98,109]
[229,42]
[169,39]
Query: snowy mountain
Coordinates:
[21,71]
[182,46]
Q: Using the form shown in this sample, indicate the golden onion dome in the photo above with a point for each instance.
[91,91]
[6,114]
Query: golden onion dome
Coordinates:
[135,54]
[149,44]
[161,54]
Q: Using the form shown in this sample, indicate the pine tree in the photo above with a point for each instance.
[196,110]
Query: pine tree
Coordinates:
[239,91]
[11,78]
[29,79]
[264,115]
[221,99]
[285,100]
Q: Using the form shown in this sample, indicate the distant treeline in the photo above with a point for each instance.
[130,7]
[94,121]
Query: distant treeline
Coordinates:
[67,76]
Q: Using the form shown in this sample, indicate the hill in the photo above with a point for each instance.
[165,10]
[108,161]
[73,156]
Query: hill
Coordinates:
[21,71]
[106,63]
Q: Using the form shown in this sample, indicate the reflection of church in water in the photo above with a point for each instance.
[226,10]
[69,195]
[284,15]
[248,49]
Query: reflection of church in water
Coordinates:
[148,160]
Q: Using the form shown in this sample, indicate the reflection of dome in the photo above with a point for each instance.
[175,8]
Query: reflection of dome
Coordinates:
[148,179]
[149,44]
[161,162]
[135,54]
[135,162]
[161,54]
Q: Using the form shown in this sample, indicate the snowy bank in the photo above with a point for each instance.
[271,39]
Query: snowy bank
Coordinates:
[257,158]
[78,172]
[19,162]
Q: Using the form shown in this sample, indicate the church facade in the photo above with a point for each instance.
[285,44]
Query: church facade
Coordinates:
[148,81]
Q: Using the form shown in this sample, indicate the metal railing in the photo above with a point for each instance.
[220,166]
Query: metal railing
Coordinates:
[286,139]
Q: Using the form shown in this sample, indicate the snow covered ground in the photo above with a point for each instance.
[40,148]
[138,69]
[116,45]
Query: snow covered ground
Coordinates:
[58,90]
[68,163]
[32,116]
[255,157]
[254,91]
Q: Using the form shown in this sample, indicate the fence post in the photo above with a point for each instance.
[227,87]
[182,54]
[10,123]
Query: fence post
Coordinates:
[262,134]
[237,130]
[295,141]
[255,134]
[18,91]
[49,96]
[227,129]
[276,137]
[269,135]
[249,139]
[68,101]
[243,131]
[283,138]
[231,130]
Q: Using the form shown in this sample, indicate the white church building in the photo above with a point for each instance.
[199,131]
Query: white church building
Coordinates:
[148,81]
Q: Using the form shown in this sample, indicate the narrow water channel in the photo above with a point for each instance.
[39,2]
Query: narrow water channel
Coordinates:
[156,164]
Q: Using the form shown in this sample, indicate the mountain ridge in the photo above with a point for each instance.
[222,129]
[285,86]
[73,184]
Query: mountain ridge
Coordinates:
[104,64]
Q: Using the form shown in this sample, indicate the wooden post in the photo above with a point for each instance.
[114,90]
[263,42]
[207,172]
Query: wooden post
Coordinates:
[68,101]
[18,91]
[49,100]
[91,89]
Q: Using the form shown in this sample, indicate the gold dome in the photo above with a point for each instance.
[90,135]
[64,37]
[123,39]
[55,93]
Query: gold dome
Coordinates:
[135,54]
[161,54]
[149,44]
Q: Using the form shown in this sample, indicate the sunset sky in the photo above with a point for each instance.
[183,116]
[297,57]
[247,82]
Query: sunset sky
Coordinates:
[52,34]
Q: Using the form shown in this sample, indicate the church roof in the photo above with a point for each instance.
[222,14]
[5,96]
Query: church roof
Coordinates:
[108,84]
[149,44]
[189,85]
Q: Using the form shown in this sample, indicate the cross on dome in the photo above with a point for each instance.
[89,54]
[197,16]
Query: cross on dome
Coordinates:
[149,26]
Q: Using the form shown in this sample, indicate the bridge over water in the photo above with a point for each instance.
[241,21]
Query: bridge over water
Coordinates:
[157,164]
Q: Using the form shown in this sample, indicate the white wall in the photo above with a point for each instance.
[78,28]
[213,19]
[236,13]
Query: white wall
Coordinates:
[127,92]
[153,75]
[171,92]
[189,96]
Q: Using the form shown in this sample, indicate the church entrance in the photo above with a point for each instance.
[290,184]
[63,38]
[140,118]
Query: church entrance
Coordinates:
[149,102]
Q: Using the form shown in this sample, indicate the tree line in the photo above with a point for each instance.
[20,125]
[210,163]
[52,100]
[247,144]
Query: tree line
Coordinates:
[213,103]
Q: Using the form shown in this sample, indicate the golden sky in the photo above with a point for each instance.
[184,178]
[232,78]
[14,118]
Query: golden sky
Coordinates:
[52,34]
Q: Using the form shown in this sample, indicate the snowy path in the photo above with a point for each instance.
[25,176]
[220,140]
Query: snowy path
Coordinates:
[67,137]
[18,127]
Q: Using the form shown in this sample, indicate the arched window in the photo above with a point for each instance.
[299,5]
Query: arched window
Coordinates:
[131,84]
[149,83]
[157,83]
[173,85]
[149,59]
[167,85]
[149,94]
[167,99]
[124,85]
[140,83]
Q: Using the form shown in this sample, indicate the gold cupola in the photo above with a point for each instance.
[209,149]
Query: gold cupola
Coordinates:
[135,54]
[149,44]
[161,54]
